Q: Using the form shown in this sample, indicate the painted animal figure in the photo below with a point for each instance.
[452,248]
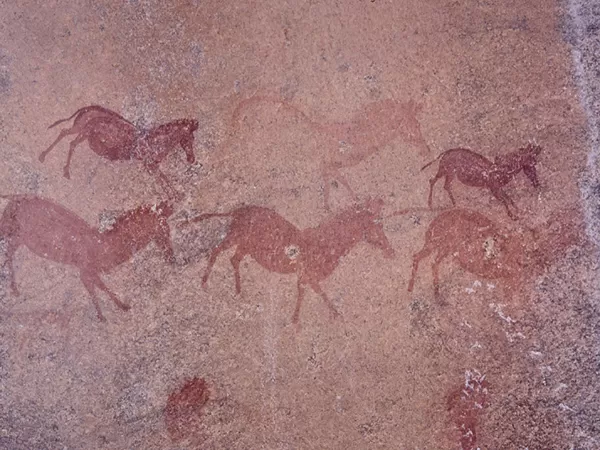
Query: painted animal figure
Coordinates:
[473,169]
[482,248]
[111,136]
[312,254]
[346,144]
[55,233]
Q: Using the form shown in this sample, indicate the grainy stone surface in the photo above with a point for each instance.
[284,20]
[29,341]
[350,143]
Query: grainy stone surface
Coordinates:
[314,119]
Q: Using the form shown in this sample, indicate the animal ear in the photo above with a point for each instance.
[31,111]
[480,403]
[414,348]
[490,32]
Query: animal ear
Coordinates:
[165,208]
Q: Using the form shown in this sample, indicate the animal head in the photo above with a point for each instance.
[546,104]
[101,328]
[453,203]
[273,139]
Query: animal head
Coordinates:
[530,153]
[187,141]
[372,231]
[529,157]
[164,209]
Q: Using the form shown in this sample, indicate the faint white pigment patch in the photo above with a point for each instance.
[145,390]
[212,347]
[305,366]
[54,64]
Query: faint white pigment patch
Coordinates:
[586,79]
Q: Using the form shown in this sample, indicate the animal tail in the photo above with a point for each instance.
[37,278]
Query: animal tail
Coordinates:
[256,99]
[203,217]
[431,162]
[68,118]
[416,209]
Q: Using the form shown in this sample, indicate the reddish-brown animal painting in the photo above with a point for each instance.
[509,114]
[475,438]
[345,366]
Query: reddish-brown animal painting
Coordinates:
[55,233]
[346,144]
[312,254]
[473,169]
[482,248]
[111,136]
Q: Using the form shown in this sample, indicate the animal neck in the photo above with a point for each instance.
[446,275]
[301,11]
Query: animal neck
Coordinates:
[339,234]
[131,233]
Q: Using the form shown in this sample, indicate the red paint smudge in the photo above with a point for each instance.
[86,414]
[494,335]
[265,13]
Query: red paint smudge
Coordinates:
[184,408]
[466,405]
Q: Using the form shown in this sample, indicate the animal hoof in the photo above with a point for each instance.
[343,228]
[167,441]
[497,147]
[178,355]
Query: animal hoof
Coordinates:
[101,318]
[125,307]
[42,157]
[66,174]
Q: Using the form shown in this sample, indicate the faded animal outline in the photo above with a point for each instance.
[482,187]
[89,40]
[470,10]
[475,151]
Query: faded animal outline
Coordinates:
[312,253]
[349,143]
[473,169]
[57,234]
[111,136]
[483,248]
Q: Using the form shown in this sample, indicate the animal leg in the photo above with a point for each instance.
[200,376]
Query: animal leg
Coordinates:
[447,186]
[236,259]
[504,198]
[417,257]
[296,315]
[167,186]
[432,182]
[315,286]
[98,282]
[326,188]
[74,143]
[10,254]
[435,270]
[62,135]
[227,243]
[89,284]
[342,179]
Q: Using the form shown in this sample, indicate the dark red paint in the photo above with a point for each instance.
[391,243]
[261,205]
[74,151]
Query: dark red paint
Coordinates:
[111,136]
[475,170]
[55,233]
[312,254]
[184,408]
[466,405]
[348,143]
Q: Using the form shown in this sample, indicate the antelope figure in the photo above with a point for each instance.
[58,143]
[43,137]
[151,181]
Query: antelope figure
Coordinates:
[482,248]
[473,169]
[55,233]
[111,136]
[312,254]
[346,144]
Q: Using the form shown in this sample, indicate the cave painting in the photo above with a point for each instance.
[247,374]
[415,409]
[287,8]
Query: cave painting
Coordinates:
[346,144]
[475,170]
[466,405]
[312,254]
[55,233]
[183,411]
[482,248]
[111,136]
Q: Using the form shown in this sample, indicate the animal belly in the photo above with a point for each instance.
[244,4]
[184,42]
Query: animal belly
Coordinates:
[72,253]
[277,259]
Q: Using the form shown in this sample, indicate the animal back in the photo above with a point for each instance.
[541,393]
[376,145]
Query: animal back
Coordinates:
[469,167]
[55,233]
[266,236]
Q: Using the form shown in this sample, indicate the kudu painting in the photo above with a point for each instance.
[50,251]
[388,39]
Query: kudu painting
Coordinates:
[473,169]
[346,144]
[57,234]
[111,136]
[483,248]
[312,254]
